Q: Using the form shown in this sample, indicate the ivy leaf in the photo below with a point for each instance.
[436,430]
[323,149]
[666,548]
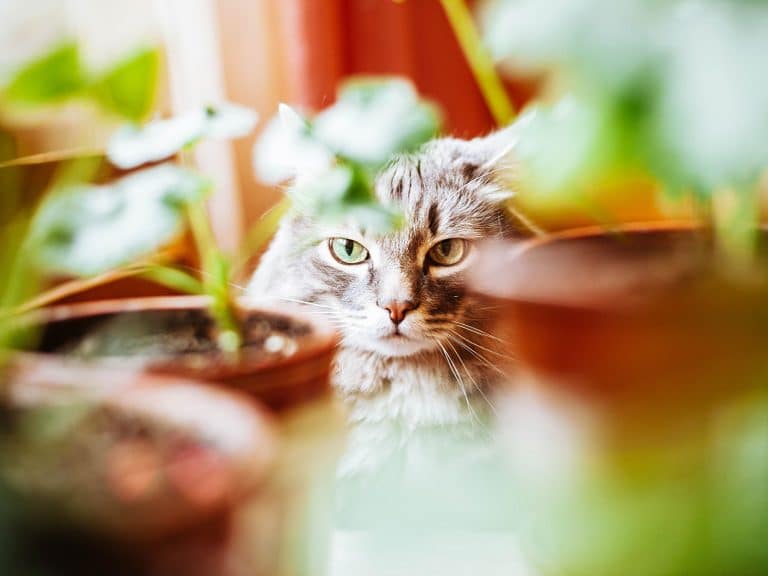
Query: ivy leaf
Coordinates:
[129,88]
[51,79]
[374,119]
[334,157]
[83,230]
[133,146]
[286,149]
[345,193]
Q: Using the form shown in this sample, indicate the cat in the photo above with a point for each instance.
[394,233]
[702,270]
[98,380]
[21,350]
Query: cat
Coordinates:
[415,346]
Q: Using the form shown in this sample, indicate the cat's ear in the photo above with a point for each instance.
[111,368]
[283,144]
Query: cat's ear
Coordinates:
[491,159]
[496,151]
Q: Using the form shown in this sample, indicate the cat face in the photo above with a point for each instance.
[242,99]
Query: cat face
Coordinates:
[404,293]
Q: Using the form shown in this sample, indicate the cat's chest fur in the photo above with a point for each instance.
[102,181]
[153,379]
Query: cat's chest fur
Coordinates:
[415,390]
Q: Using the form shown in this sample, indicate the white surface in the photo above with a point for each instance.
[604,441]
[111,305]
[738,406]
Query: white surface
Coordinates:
[445,554]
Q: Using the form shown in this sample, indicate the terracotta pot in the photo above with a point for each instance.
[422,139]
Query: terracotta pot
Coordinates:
[298,372]
[636,420]
[292,378]
[127,459]
[638,312]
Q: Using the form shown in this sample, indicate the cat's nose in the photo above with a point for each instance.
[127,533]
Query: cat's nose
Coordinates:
[398,309]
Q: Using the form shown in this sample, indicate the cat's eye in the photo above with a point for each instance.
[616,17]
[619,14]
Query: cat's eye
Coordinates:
[347,251]
[448,252]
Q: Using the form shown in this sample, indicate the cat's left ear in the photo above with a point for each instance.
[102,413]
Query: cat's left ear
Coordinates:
[491,159]
[497,150]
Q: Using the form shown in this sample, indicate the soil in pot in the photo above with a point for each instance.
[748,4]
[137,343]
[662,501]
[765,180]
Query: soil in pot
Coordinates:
[186,334]
[285,359]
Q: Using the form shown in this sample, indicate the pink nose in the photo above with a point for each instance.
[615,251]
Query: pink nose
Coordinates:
[398,309]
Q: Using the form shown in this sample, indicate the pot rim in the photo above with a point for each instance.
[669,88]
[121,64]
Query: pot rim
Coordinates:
[493,288]
[321,341]
[678,225]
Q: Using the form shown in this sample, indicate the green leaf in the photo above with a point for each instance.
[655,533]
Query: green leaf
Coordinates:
[286,149]
[83,230]
[175,279]
[133,146]
[259,234]
[373,119]
[345,194]
[216,278]
[17,280]
[130,87]
[51,79]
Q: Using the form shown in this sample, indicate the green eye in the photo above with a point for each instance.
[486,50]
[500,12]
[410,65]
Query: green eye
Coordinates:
[448,252]
[347,251]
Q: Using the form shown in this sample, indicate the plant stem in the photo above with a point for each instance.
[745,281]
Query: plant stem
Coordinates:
[54,156]
[736,221]
[216,280]
[480,61]
[259,234]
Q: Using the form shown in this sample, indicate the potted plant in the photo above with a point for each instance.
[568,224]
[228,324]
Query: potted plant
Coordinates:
[281,357]
[635,424]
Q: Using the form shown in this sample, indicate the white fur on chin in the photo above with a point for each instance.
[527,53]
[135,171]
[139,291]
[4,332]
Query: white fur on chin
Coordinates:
[396,346]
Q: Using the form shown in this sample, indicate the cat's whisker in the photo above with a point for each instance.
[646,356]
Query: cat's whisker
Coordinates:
[460,381]
[203,274]
[478,356]
[306,302]
[325,309]
[484,348]
[478,331]
[476,386]
[340,320]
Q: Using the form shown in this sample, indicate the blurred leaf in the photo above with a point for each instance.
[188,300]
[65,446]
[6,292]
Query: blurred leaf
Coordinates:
[216,278]
[10,180]
[334,157]
[561,148]
[259,235]
[175,279]
[77,170]
[345,193]
[83,230]
[228,121]
[374,119]
[736,220]
[680,94]
[130,87]
[286,149]
[53,78]
[133,146]
[292,120]
[18,280]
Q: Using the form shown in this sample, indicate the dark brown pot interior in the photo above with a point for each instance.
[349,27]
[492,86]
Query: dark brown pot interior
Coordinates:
[641,313]
[286,358]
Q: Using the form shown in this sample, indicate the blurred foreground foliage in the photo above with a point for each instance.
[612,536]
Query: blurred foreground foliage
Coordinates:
[335,156]
[675,90]
[82,229]
[127,89]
